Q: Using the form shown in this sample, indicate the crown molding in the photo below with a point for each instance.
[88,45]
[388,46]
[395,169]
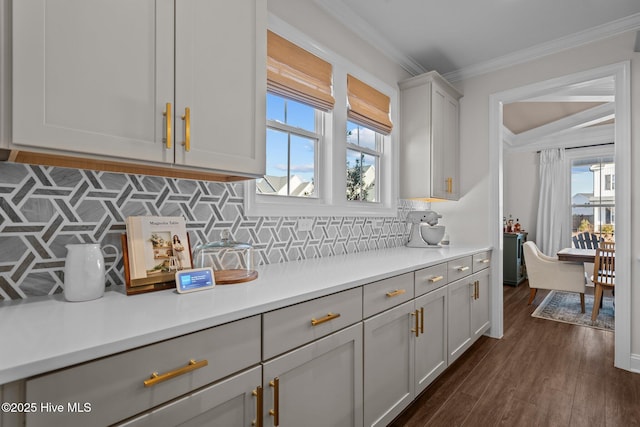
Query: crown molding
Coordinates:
[600,32]
[347,17]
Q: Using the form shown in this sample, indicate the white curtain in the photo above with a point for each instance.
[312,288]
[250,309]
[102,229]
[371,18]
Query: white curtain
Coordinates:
[553,227]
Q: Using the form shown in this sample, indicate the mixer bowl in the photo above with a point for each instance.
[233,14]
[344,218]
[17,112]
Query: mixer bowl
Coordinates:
[432,234]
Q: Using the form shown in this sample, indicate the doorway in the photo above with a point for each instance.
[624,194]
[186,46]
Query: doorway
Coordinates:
[619,73]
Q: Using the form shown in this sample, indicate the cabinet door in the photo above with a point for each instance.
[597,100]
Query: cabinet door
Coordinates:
[431,345]
[389,343]
[319,384]
[480,304]
[228,403]
[460,295]
[221,78]
[93,76]
[445,148]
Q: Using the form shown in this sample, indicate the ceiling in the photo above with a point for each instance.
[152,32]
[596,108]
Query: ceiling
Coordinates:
[459,38]
[464,38]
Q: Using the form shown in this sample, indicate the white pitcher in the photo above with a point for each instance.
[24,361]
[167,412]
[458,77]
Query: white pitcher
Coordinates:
[84,271]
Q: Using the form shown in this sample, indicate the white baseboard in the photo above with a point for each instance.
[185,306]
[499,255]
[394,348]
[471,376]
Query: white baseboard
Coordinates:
[634,363]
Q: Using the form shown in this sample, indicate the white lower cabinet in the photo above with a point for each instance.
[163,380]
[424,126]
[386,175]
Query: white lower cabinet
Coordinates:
[460,293]
[136,381]
[316,363]
[405,349]
[480,305]
[389,342]
[232,402]
[319,384]
[468,316]
[431,345]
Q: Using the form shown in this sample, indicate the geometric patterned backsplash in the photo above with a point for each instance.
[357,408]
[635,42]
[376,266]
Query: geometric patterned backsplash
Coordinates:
[43,208]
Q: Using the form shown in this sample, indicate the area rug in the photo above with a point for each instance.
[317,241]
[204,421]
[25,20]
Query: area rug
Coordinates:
[565,307]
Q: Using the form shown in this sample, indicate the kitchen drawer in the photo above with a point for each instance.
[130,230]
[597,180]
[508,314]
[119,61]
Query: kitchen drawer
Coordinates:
[459,268]
[387,293]
[431,278]
[114,386]
[292,326]
[481,261]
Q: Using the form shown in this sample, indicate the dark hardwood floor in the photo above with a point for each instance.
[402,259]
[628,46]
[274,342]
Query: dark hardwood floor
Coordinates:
[541,373]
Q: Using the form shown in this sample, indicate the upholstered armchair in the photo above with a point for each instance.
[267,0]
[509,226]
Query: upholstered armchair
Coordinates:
[545,272]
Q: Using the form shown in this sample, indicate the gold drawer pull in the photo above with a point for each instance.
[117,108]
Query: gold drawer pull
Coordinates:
[436,279]
[329,316]
[275,412]
[416,330]
[465,268]
[191,366]
[187,129]
[484,261]
[259,406]
[167,114]
[396,293]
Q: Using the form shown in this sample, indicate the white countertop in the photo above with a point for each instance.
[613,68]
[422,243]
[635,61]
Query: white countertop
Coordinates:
[45,333]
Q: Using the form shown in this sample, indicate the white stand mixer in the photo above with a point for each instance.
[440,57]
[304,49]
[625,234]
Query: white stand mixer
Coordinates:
[425,231]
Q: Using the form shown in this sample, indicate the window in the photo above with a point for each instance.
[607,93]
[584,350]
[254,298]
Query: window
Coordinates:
[609,182]
[293,136]
[311,138]
[593,196]
[368,121]
[363,154]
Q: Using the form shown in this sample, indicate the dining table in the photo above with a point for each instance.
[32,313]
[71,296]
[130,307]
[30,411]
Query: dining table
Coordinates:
[577,255]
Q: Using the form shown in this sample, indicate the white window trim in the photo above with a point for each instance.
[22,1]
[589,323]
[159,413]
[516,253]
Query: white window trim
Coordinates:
[331,159]
[582,154]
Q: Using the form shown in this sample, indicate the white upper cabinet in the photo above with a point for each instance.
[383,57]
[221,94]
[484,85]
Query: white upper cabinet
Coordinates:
[221,77]
[430,144]
[96,77]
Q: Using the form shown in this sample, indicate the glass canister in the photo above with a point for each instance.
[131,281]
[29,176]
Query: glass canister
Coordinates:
[231,261]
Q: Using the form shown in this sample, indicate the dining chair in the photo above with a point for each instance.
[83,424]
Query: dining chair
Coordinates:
[545,272]
[603,274]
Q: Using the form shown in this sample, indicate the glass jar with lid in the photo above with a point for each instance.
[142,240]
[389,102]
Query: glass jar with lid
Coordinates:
[231,261]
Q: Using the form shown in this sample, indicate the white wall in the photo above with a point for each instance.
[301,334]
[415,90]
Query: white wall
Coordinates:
[313,21]
[521,188]
[475,145]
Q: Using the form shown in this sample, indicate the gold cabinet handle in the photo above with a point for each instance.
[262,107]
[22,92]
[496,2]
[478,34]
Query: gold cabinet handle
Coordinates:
[465,268]
[167,114]
[473,291]
[191,366]
[477,289]
[396,293]
[417,328]
[422,320]
[449,185]
[485,261]
[259,406]
[187,129]
[275,412]
[436,279]
[329,316]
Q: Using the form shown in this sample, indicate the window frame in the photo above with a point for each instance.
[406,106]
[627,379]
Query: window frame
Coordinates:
[585,154]
[376,153]
[332,149]
[318,136]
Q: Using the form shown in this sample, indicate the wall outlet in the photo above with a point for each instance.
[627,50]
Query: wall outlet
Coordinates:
[305,224]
